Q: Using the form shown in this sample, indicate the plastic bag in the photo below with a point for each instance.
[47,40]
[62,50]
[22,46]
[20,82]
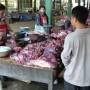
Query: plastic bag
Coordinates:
[40,29]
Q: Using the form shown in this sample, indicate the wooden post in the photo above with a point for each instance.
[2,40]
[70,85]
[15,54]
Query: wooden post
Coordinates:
[84,3]
[35,5]
[41,2]
[18,5]
[69,9]
[89,4]
[60,5]
[54,4]
[6,4]
[79,2]
[48,5]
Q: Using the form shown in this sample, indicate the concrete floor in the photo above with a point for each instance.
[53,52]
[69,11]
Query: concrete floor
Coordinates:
[16,26]
[18,85]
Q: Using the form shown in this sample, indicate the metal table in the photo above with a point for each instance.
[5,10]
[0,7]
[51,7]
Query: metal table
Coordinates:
[26,74]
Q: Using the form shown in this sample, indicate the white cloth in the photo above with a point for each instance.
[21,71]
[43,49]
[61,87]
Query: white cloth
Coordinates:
[76,57]
[40,29]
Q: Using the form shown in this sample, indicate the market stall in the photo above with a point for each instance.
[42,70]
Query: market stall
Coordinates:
[26,73]
[35,61]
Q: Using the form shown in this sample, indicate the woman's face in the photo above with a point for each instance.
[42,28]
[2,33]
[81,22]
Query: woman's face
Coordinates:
[2,13]
[42,10]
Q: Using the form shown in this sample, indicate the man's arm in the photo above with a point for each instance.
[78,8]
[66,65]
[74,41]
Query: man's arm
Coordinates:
[67,51]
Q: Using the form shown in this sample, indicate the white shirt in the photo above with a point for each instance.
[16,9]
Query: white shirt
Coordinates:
[76,57]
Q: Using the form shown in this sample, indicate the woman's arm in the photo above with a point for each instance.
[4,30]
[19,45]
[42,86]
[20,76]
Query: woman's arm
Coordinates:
[37,19]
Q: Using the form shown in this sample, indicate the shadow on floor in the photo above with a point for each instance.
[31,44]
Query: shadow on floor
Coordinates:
[18,85]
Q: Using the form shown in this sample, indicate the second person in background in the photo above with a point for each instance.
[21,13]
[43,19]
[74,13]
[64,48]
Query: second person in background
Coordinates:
[41,20]
[41,17]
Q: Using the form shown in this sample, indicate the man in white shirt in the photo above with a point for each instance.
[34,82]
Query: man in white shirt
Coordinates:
[76,53]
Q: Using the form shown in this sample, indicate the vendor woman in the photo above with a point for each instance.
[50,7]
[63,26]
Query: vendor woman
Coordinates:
[41,18]
[41,21]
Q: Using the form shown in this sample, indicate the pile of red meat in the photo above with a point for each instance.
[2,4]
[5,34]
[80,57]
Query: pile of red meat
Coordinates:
[43,54]
[88,21]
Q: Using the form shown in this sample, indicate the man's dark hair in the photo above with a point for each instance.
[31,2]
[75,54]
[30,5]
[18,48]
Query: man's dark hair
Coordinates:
[2,7]
[81,13]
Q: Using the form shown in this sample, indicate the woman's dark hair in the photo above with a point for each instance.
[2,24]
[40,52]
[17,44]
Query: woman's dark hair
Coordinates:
[42,6]
[2,7]
[81,13]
